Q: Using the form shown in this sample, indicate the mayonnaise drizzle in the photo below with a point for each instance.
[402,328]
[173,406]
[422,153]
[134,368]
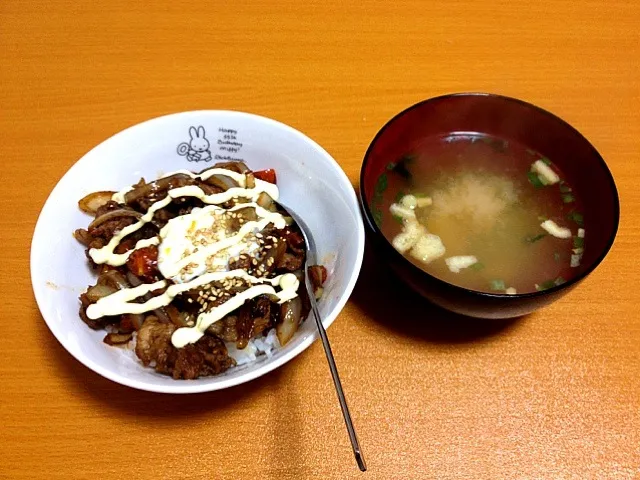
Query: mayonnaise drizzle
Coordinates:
[204,252]
[122,301]
[287,282]
[240,178]
[117,259]
[106,255]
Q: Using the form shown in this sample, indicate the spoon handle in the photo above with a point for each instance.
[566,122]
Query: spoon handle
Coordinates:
[311,260]
[336,381]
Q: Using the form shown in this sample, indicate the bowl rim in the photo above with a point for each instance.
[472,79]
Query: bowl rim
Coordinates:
[184,386]
[397,256]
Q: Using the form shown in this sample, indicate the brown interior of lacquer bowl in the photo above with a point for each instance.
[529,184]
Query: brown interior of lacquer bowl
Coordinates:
[513,120]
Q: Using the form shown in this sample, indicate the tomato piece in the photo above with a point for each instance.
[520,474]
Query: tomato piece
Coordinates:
[144,262]
[323,273]
[268,175]
[317,275]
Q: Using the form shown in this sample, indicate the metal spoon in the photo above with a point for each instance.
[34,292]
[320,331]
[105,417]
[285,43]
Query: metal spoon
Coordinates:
[311,260]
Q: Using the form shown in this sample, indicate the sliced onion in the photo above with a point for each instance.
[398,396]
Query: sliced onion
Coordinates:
[248,213]
[175,316]
[99,291]
[250,180]
[162,315]
[97,243]
[113,214]
[238,167]
[114,279]
[92,202]
[162,184]
[290,314]
[117,338]
[133,279]
[265,201]
[83,236]
[222,181]
[131,321]
[209,189]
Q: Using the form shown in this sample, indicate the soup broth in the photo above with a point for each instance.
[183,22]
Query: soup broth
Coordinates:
[482,213]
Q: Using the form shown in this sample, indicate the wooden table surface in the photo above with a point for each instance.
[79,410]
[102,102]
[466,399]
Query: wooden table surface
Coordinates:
[555,395]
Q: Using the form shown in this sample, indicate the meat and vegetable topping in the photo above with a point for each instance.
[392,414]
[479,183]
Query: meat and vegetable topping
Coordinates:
[191,263]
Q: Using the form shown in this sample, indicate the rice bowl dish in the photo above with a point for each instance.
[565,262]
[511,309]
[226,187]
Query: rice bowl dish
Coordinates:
[308,179]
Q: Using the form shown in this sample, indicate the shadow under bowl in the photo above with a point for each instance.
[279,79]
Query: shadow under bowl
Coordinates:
[512,120]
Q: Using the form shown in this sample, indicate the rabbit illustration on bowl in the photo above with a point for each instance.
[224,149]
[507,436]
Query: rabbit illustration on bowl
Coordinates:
[197,150]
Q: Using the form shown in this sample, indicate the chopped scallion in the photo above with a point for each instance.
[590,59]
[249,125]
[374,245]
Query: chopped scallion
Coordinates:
[578,242]
[550,284]
[534,238]
[564,188]
[546,285]
[382,183]
[535,180]
[377,217]
[477,266]
[568,198]
[576,217]
[398,219]
[498,285]
[546,161]
[399,196]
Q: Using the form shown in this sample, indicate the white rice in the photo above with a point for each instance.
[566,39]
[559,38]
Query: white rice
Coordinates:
[255,348]
[128,361]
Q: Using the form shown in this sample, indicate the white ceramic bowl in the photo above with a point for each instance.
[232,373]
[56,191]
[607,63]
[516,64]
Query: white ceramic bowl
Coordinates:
[310,182]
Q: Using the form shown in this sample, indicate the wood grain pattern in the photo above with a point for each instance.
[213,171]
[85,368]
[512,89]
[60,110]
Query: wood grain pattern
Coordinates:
[555,395]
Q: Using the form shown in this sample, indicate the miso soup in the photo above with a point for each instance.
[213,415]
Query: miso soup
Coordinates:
[482,213]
